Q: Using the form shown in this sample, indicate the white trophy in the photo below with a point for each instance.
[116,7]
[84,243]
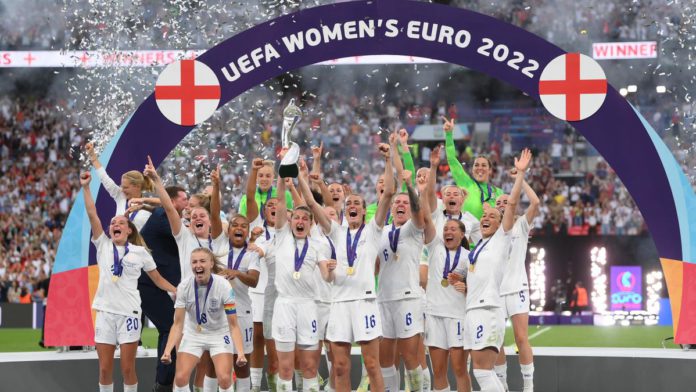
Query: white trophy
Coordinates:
[288,166]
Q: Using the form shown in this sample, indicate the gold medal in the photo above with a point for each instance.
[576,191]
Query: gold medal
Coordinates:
[199,328]
[296,275]
[396,257]
[444,283]
[471,268]
[114,278]
[350,270]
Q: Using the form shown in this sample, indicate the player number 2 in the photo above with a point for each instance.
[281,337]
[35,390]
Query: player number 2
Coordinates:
[409,320]
[370,321]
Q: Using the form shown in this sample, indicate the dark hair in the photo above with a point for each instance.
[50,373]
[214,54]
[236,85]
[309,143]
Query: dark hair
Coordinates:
[135,238]
[462,228]
[490,164]
[305,209]
[318,197]
[173,191]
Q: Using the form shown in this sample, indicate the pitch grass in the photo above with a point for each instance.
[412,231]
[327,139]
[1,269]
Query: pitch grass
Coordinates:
[25,339]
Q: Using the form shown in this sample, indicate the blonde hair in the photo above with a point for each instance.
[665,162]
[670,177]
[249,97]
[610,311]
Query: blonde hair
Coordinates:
[217,267]
[205,201]
[138,179]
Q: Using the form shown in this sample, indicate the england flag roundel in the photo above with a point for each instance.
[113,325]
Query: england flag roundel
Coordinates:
[187,92]
[572,87]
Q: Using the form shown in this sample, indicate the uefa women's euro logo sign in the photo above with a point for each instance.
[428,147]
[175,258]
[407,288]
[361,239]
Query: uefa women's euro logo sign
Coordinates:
[626,288]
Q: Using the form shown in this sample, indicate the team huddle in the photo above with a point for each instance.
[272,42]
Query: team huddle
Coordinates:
[307,265]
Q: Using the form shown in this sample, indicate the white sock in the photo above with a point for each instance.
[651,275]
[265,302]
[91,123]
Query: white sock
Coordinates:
[130,388]
[445,389]
[427,386]
[106,388]
[310,384]
[256,374]
[230,389]
[298,380]
[243,384]
[272,380]
[501,372]
[415,379]
[284,385]
[488,381]
[181,389]
[528,377]
[210,384]
[390,379]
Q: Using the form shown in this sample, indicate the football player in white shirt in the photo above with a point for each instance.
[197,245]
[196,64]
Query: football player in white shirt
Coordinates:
[204,320]
[338,198]
[120,256]
[262,226]
[294,313]
[133,183]
[242,271]
[354,314]
[515,288]
[399,292]
[485,318]
[447,251]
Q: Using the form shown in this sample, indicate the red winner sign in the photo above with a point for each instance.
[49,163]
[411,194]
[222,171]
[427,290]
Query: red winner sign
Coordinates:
[624,50]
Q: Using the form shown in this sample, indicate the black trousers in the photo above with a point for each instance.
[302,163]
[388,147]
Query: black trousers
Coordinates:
[159,308]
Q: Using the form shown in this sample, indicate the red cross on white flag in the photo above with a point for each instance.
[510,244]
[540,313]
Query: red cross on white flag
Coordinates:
[187,92]
[572,87]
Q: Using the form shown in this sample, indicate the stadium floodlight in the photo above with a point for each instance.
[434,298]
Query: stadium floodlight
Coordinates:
[654,281]
[661,89]
[632,88]
[599,279]
[623,92]
[537,279]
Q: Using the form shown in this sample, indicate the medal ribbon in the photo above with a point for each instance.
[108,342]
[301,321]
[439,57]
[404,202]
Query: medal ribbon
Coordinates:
[333,248]
[490,191]
[299,257]
[394,238]
[230,257]
[352,245]
[118,263]
[195,293]
[473,255]
[210,242]
[448,270]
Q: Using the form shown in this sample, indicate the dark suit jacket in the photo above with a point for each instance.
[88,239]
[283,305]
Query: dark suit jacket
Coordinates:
[158,237]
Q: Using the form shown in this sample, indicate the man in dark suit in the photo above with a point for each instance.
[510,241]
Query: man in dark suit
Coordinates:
[156,304]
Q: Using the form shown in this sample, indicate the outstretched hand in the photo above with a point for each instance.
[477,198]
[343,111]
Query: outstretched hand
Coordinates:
[435,156]
[215,176]
[384,149]
[316,151]
[302,164]
[150,171]
[256,164]
[403,137]
[448,126]
[523,162]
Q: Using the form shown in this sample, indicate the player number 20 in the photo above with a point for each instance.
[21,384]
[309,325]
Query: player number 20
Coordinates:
[370,321]
[132,324]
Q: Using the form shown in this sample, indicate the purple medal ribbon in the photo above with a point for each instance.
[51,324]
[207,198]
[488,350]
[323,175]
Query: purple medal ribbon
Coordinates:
[386,220]
[132,215]
[352,245]
[299,257]
[230,257]
[265,227]
[210,242]
[447,262]
[195,293]
[394,238]
[118,263]
[473,255]
[333,248]
[450,216]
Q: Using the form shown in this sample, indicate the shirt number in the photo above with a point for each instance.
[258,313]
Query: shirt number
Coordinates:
[370,321]
[132,324]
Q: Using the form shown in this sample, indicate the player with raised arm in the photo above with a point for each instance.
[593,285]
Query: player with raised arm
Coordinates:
[515,288]
[477,185]
[354,314]
[294,322]
[121,256]
[485,318]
